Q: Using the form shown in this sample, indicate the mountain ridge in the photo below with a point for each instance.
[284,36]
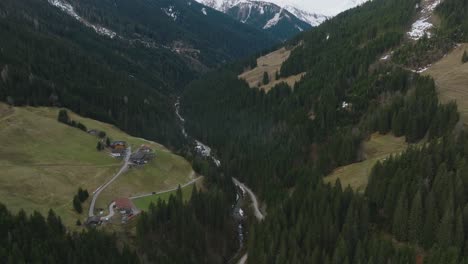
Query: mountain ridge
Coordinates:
[281,21]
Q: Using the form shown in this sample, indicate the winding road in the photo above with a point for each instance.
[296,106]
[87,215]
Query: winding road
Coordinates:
[258,214]
[170,190]
[103,187]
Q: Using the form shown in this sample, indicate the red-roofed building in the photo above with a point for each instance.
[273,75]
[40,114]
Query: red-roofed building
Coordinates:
[124,204]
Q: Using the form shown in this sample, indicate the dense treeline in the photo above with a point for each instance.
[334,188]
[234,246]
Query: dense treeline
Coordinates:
[454,19]
[200,231]
[49,58]
[322,224]
[215,37]
[413,113]
[343,48]
[35,239]
[421,197]
[282,142]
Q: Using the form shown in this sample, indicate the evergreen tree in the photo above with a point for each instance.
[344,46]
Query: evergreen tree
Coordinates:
[266,78]
[63,117]
[100,146]
[431,221]
[77,204]
[465,57]
[400,217]
[445,233]
[415,219]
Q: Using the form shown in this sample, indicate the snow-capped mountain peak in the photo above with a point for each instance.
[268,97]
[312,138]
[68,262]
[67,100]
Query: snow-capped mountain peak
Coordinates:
[311,18]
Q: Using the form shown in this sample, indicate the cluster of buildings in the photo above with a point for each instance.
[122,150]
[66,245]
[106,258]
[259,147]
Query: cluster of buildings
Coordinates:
[142,156]
[118,149]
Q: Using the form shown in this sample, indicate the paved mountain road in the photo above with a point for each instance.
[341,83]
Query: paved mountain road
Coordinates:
[103,187]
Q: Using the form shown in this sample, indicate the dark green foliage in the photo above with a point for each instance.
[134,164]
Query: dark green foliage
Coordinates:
[465,57]
[35,239]
[108,142]
[77,204]
[100,146]
[83,195]
[414,114]
[102,134]
[454,19]
[78,222]
[423,52]
[63,117]
[193,232]
[51,59]
[266,78]
[434,174]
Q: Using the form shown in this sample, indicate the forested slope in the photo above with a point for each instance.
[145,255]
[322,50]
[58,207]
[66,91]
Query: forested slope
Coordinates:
[47,57]
[283,142]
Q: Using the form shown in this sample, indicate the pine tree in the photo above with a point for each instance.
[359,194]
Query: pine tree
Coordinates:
[400,217]
[63,117]
[431,221]
[459,234]
[99,146]
[266,78]
[445,233]
[415,219]
[77,204]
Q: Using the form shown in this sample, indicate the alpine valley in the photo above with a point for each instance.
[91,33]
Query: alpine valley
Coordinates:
[234,131]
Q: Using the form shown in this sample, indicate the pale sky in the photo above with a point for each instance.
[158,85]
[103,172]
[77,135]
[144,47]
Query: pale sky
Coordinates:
[326,7]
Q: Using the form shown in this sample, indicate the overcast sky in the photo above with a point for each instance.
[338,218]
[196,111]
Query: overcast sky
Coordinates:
[326,7]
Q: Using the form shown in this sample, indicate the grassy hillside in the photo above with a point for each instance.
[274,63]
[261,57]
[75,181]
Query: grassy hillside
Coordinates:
[356,175]
[43,162]
[270,64]
[451,77]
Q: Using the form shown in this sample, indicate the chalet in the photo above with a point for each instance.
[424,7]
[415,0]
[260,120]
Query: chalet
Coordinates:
[118,145]
[142,156]
[125,206]
[138,158]
[146,149]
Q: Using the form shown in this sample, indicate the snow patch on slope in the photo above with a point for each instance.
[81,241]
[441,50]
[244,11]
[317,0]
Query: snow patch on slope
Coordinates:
[272,22]
[67,8]
[422,26]
[204,11]
[171,12]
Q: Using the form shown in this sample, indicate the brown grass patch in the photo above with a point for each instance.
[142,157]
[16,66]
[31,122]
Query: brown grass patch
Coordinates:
[356,175]
[451,78]
[271,64]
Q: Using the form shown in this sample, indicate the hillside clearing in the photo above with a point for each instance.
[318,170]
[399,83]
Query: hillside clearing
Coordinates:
[144,202]
[377,148]
[271,64]
[43,162]
[451,78]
